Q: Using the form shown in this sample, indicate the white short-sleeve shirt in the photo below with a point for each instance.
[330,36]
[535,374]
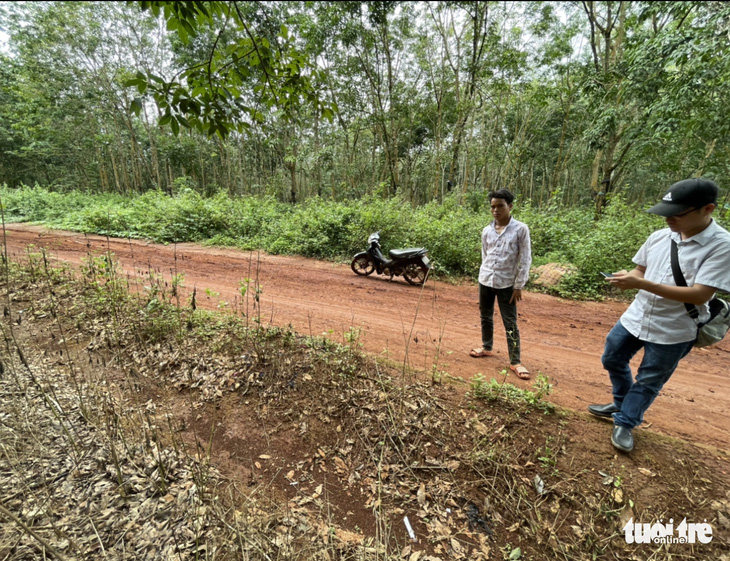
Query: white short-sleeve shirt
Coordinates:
[703,258]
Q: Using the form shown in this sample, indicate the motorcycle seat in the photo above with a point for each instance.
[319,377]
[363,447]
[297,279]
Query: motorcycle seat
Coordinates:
[406,253]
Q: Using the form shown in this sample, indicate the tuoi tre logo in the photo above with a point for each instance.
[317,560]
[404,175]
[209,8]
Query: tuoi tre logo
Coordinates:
[636,532]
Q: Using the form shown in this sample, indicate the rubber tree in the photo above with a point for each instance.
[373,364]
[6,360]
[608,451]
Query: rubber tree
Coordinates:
[625,89]
[381,39]
[607,21]
[246,71]
[686,53]
[73,117]
[466,34]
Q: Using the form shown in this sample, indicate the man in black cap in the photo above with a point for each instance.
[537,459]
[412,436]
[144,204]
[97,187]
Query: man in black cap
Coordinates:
[657,319]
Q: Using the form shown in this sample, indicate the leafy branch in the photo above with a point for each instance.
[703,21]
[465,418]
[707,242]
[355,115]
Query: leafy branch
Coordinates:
[216,95]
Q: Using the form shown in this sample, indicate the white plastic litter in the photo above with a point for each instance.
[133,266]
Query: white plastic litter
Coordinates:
[408,527]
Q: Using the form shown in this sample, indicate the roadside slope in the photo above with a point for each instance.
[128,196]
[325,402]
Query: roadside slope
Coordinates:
[430,327]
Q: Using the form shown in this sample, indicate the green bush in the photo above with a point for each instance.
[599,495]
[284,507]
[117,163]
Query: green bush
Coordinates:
[450,230]
[187,216]
[254,221]
[554,231]
[38,204]
[452,235]
[317,228]
[608,246]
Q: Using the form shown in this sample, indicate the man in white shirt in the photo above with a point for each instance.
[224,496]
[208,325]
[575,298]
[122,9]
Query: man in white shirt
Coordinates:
[657,319]
[505,269]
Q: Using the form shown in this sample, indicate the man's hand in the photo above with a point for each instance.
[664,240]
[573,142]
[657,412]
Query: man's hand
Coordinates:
[625,280]
[697,294]
[516,296]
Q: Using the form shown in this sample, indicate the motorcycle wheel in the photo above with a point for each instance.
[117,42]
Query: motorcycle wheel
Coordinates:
[362,265]
[415,273]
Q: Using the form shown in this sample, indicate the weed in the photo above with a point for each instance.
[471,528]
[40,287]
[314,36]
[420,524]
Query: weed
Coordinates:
[352,337]
[177,282]
[335,230]
[548,456]
[243,286]
[437,376]
[211,293]
[494,390]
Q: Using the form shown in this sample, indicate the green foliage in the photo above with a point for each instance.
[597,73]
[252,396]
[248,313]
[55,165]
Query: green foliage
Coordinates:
[452,234]
[154,215]
[494,390]
[238,75]
[257,220]
[554,230]
[548,456]
[318,228]
[38,204]
[326,229]
[608,245]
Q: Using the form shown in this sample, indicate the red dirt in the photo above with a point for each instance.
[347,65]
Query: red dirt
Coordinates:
[438,324]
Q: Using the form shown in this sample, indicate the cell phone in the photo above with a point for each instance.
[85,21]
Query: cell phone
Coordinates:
[607,275]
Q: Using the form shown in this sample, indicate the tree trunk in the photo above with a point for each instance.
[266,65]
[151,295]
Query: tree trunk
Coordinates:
[117,183]
[479,19]
[292,167]
[317,166]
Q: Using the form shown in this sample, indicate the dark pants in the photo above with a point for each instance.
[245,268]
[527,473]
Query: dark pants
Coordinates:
[509,319]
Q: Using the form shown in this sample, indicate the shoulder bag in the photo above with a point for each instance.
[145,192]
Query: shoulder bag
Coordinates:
[714,330]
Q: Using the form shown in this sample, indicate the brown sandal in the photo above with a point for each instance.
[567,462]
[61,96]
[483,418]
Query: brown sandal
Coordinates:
[521,371]
[480,352]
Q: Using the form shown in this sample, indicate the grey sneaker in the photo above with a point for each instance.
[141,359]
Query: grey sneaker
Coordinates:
[622,438]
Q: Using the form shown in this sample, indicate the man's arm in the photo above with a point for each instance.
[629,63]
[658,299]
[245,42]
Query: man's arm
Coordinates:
[485,244]
[523,269]
[697,294]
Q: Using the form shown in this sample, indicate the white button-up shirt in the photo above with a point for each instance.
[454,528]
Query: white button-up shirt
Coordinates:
[703,258]
[506,257]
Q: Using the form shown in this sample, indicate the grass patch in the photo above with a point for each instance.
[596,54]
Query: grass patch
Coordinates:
[512,395]
[325,229]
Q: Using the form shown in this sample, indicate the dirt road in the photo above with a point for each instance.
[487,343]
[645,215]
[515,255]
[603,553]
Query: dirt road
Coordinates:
[434,325]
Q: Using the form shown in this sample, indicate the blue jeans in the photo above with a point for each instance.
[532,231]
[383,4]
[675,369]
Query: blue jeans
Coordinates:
[657,366]
[509,319]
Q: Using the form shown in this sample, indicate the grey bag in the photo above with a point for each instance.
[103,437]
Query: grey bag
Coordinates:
[714,330]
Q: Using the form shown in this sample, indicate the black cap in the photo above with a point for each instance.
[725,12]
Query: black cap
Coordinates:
[685,195]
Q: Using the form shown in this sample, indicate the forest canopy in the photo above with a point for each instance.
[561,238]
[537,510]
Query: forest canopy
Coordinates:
[566,103]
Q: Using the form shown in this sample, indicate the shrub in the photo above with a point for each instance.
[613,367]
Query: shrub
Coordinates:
[38,204]
[450,230]
[608,246]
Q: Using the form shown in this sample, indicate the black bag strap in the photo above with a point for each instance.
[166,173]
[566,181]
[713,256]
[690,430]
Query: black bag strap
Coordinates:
[680,281]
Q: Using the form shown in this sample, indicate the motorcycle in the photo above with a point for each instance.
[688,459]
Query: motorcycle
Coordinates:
[412,263]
